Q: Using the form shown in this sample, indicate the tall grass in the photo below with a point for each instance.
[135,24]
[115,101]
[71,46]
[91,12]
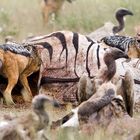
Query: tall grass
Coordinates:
[21,17]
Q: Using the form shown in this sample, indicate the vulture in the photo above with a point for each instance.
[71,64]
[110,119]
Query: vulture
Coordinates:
[109,28]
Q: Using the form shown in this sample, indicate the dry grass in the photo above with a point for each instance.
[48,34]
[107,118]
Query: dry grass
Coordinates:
[19,18]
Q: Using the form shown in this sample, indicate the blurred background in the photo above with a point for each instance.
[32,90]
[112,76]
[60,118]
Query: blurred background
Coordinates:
[21,18]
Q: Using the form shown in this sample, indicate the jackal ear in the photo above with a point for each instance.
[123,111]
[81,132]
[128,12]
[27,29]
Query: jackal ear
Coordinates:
[108,49]
[135,40]
[132,43]
[137,43]
[29,48]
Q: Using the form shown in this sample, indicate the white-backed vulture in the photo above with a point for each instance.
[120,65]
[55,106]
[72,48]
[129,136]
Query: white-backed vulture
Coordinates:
[109,28]
[31,126]
[104,92]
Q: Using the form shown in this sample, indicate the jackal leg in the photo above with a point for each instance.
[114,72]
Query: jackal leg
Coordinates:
[12,80]
[45,15]
[26,91]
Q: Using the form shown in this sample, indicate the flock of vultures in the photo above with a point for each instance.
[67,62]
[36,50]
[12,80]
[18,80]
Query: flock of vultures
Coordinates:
[100,70]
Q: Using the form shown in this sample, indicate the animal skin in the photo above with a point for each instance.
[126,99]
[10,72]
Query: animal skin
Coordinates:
[59,49]
[59,45]
[17,63]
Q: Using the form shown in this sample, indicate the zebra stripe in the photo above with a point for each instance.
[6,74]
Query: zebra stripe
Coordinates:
[98,59]
[60,36]
[75,42]
[49,48]
[62,39]
[87,68]
[89,40]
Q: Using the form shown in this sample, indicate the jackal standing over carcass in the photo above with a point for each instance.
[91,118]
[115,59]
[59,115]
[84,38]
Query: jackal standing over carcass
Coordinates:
[17,63]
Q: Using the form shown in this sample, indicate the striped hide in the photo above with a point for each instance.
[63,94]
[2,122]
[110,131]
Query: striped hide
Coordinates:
[81,56]
[71,52]
[127,44]
[78,64]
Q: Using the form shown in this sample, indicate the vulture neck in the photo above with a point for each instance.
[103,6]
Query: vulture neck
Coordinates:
[121,25]
[110,70]
[43,117]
